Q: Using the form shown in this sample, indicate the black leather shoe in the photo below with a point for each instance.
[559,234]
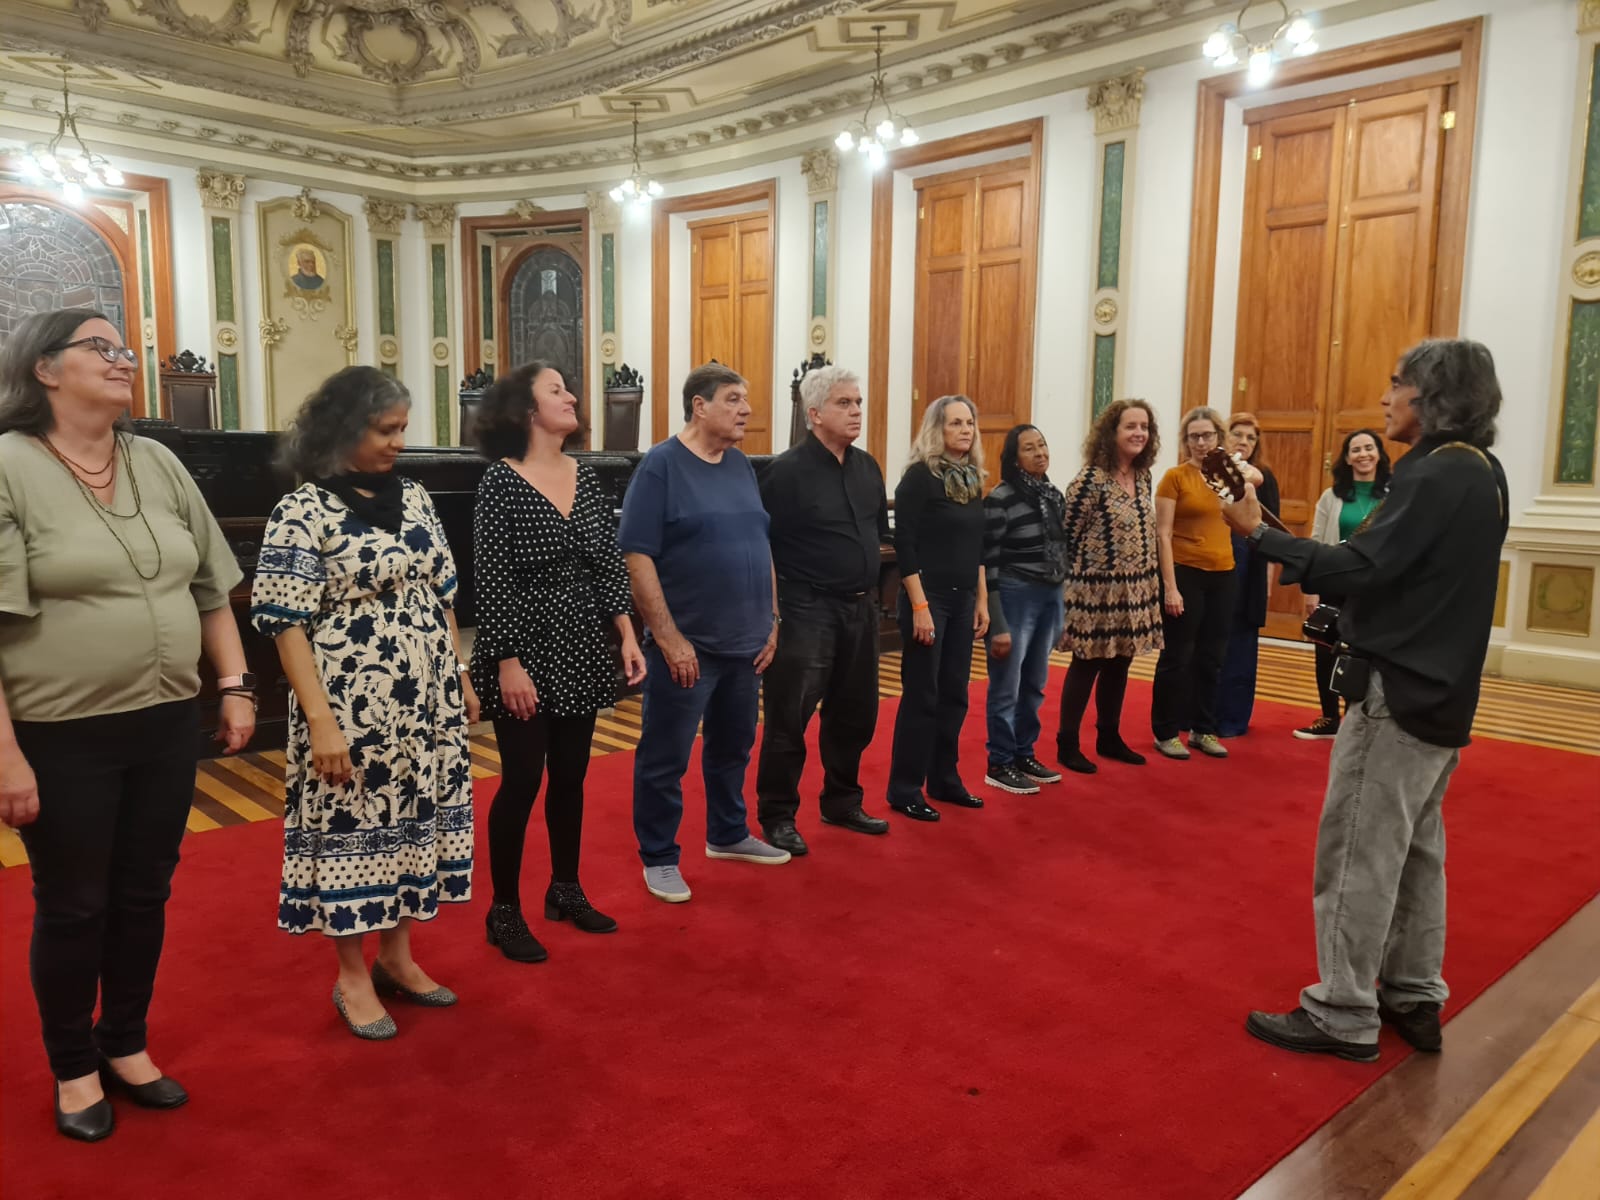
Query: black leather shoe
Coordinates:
[504,927]
[93,1123]
[964,800]
[158,1093]
[1419,1026]
[917,811]
[566,902]
[857,820]
[1298,1032]
[785,836]
[1117,750]
[1073,759]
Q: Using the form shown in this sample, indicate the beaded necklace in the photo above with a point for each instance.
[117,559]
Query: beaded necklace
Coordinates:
[101,510]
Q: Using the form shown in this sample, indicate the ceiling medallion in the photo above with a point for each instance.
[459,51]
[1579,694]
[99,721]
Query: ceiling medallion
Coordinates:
[70,165]
[862,134]
[1294,37]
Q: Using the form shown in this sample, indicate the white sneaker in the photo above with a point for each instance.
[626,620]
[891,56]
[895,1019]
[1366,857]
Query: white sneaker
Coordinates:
[752,850]
[1172,747]
[667,883]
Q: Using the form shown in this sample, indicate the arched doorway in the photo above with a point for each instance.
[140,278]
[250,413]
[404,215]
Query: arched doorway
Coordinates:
[52,258]
[544,314]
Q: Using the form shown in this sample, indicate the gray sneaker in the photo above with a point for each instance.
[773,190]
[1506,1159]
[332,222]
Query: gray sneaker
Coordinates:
[667,883]
[1172,747]
[1208,744]
[752,850]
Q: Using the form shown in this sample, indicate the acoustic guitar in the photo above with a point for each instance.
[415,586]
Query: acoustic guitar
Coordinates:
[1223,476]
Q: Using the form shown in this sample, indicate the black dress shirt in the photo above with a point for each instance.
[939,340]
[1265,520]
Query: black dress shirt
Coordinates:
[1419,584]
[828,517]
[933,535]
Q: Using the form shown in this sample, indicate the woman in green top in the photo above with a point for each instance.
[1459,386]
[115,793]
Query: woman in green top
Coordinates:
[1360,481]
[114,577]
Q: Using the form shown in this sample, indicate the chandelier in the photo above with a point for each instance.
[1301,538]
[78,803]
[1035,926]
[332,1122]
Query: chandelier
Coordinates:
[863,135]
[638,188]
[1293,38]
[71,166]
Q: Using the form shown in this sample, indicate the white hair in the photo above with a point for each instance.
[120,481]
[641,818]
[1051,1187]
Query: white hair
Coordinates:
[817,385]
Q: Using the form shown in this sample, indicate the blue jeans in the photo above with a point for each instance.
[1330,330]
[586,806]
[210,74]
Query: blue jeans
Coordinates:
[1016,682]
[724,697]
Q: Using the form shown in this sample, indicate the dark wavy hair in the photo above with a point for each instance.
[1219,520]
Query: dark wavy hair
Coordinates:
[1458,392]
[1010,468]
[1100,447]
[500,426]
[332,421]
[24,401]
[1344,476]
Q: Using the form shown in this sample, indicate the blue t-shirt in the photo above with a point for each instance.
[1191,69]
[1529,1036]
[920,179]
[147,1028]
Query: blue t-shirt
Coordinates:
[704,525]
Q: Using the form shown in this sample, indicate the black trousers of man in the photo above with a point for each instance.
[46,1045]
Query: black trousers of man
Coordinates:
[827,655]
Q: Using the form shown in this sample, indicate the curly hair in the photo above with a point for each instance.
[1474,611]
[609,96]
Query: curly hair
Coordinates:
[500,425]
[24,401]
[1458,392]
[330,424]
[1100,447]
[1344,475]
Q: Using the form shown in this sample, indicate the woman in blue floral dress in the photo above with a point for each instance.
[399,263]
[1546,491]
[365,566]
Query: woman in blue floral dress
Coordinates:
[355,582]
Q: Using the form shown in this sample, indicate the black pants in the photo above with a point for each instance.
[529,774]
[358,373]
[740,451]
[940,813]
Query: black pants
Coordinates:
[1185,687]
[933,699]
[1082,677]
[1325,693]
[828,655]
[114,795]
[527,749]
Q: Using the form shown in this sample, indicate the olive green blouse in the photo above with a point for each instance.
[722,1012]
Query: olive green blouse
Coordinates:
[100,607]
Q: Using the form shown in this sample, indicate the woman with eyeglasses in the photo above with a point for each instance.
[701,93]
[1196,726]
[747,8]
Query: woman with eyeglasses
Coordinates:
[1236,689]
[1197,589]
[114,579]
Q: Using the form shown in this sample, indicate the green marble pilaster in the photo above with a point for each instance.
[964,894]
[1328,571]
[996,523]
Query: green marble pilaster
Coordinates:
[1110,242]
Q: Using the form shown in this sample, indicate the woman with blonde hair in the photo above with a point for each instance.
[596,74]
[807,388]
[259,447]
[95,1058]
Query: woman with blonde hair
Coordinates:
[944,607]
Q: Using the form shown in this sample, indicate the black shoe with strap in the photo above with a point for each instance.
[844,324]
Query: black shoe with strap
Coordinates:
[1418,1025]
[565,901]
[504,927]
[785,836]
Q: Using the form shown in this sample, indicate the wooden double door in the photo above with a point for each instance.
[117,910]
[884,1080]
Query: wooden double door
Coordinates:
[731,268]
[1337,279]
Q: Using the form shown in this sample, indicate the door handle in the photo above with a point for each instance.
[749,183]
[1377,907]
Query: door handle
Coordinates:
[1327,464]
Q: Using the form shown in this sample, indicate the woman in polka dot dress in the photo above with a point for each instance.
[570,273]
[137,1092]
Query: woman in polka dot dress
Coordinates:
[355,582]
[550,579]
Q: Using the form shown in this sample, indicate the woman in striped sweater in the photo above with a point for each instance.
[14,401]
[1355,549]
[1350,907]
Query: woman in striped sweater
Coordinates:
[1025,559]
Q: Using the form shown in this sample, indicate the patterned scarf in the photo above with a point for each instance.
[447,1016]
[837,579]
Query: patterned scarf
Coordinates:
[962,483]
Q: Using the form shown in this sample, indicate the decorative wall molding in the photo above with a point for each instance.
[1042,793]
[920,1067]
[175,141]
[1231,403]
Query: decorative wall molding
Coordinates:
[384,216]
[219,189]
[384,219]
[307,297]
[221,197]
[438,220]
[527,210]
[605,220]
[604,215]
[1589,16]
[1115,102]
[821,169]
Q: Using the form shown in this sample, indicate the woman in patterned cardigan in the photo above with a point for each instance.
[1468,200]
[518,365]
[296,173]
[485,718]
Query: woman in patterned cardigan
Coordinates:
[1113,594]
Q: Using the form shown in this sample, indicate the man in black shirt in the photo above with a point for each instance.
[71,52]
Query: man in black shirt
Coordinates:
[829,515]
[1419,581]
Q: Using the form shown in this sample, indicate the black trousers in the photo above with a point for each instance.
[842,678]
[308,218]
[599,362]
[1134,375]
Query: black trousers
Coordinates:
[933,699]
[527,749]
[1108,679]
[114,796]
[1184,692]
[1325,693]
[827,655]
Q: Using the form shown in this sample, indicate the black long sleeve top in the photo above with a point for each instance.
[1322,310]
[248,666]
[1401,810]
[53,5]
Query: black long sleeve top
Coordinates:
[1419,584]
[829,518]
[933,535]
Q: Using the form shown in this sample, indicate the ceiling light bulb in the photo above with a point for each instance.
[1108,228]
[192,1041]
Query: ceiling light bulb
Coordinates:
[618,195]
[885,130]
[654,188]
[71,191]
[30,168]
[1299,31]
[1309,46]
[47,162]
[1226,59]
[91,178]
[1260,66]
[113,176]
[866,146]
[875,156]
[846,140]
[908,136]
[1215,45]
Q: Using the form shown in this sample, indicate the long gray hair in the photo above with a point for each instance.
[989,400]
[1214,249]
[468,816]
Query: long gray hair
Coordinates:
[24,401]
[1458,392]
[928,445]
[332,421]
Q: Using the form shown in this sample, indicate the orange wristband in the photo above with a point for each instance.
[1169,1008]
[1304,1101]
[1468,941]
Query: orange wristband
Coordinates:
[919,607]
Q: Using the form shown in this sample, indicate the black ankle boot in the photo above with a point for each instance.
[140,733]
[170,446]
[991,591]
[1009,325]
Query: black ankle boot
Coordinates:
[1073,759]
[1117,750]
[506,928]
[566,902]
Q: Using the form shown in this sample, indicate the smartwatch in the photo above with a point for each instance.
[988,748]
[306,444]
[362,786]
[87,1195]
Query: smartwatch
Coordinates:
[247,682]
[1255,535]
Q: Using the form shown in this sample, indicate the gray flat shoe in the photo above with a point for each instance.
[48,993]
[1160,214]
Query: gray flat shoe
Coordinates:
[380,1030]
[386,984]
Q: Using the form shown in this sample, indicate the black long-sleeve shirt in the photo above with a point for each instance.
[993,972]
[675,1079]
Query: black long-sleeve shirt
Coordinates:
[1419,584]
[828,517]
[933,535]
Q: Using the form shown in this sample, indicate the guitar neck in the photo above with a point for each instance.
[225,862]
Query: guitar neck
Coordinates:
[1273,522]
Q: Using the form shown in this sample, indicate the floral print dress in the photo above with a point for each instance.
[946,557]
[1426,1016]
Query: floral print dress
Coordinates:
[396,840]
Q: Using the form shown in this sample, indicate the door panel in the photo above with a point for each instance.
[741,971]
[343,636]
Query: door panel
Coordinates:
[731,320]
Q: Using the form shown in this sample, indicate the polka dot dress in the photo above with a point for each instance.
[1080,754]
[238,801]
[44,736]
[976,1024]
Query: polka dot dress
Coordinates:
[548,587]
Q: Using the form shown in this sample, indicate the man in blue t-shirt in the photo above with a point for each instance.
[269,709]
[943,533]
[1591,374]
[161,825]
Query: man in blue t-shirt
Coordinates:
[694,533]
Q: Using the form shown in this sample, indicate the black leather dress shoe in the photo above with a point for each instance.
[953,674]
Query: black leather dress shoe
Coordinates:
[93,1123]
[1418,1025]
[785,836]
[964,800]
[1298,1032]
[158,1093]
[917,811]
[857,820]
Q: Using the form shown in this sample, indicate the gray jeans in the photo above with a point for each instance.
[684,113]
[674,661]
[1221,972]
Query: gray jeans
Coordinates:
[1379,884]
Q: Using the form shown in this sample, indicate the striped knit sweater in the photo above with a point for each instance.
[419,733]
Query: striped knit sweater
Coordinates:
[1015,546]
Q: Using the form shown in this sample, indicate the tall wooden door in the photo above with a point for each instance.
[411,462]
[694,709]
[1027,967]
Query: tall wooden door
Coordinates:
[731,309]
[977,239]
[1336,281]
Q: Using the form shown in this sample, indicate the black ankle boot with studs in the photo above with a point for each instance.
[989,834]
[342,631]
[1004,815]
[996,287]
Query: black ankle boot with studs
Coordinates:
[566,902]
[505,928]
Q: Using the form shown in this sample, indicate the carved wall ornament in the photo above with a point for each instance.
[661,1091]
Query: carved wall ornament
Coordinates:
[227,30]
[273,331]
[608,347]
[486,351]
[821,169]
[219,189]
[348,337]
[604,215]
[1586,271]
[384,216]
[441,352]
[228,337]
[305,207]
[305,281]
[525,210]
[1105,312]
[439,220]
[1589,16]
[1115,102]
[92,12]
[388,349]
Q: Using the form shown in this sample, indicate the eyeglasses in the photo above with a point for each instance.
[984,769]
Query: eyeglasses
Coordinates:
[101,347]
[1202,437]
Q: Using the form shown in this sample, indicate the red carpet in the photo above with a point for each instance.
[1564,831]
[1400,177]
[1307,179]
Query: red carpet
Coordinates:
[1041,999]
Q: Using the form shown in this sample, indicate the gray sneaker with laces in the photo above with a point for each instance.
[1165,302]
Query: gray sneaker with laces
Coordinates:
[667,883]
[752,850]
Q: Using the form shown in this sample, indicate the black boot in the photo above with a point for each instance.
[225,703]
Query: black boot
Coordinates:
[1070,757]
[506,928]
[1112,746]
[566,902]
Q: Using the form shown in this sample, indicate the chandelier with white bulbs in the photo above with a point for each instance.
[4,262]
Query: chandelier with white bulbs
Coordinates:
[70,165]
[1294,37]
[638,188]
[871,139]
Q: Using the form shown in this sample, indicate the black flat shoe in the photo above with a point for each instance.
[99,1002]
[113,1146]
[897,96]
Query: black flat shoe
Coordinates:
[91,1125]
[504,927]
[1073,759]
[917,811]
[165,1092]
[566,902]
[858,821]
[1117,750]
[965,800]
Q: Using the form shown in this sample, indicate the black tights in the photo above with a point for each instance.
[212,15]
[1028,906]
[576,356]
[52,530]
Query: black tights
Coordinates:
[526,749]
[1075,688]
